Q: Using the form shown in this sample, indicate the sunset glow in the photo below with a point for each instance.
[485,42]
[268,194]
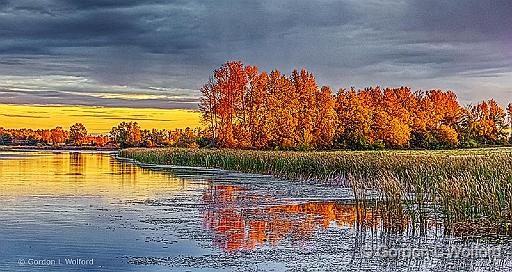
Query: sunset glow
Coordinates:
[96,119]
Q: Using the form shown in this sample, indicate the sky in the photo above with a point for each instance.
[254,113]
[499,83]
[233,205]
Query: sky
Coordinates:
[156,54]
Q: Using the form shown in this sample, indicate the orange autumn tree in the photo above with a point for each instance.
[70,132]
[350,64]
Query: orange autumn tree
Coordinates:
[487,122]
[231,82]
[324,131]
[395,116]
[306,89]
[436,120]
[354,113]
[281,112]
[58,135]
[257,110]
[509,113]
[225,103]
[245,108]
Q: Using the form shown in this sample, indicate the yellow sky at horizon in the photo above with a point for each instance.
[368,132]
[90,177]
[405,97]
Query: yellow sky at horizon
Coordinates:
[96,119]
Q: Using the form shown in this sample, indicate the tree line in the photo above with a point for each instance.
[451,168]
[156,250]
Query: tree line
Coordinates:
[126,134]
[245,108]
[130,134]
[76,135]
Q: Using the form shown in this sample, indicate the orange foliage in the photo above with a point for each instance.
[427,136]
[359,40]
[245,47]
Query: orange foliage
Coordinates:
[325,127]
[244,108]
[237,228]
[77,136]
[125,134]
[509,113]
[487,121]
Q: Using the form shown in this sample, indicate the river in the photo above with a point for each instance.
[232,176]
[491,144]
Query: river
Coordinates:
[88,211]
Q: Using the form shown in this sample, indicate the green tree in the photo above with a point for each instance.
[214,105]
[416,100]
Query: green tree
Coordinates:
[127,134]
[77,134]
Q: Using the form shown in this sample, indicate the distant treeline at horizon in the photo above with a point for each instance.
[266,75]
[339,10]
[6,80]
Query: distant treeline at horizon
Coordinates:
[126,134]
[245,108]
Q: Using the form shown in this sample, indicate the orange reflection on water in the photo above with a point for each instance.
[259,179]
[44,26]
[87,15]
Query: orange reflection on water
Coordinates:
[239,227]
[81,174]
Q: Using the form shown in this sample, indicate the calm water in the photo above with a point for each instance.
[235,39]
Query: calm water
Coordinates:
[91,212]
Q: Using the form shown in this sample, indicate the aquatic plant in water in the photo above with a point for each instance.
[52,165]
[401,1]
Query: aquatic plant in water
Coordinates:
[470,190]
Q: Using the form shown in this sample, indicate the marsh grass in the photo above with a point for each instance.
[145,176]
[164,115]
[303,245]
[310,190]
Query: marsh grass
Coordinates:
[471,190]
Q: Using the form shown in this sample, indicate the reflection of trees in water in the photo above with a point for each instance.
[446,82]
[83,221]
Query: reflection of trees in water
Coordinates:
[76,163]
[124,170]
[243,221]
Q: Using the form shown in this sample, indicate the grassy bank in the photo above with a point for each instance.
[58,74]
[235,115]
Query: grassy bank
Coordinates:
[471,189]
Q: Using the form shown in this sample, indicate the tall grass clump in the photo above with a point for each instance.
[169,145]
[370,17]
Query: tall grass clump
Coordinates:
[470,190]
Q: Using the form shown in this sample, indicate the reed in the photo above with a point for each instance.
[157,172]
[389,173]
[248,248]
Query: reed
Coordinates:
[471,190]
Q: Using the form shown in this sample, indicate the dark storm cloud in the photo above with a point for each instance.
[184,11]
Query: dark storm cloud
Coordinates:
[474,19]
[172,46]
[157,27]
[66,98]
[89,29]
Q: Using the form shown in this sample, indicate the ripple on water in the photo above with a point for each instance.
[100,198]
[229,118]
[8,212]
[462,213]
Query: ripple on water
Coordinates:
[160,218]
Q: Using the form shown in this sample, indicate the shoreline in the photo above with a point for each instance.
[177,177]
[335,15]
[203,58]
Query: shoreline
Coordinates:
[220,158]
[468,188]
[55,148]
